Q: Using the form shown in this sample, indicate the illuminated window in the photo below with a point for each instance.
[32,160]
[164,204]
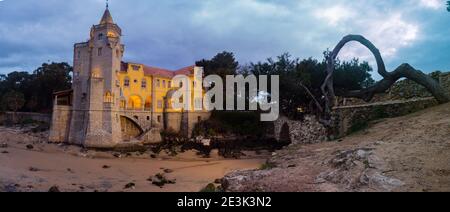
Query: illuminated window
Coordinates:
[126,82]
[108,97]
[123,104]
[144,83]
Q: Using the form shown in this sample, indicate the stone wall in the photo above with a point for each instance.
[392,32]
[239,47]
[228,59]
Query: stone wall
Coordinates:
[349,119]
[307,131]
[59,130]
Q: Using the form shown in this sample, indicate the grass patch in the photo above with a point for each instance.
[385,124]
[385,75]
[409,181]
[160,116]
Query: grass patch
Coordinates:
[267,166]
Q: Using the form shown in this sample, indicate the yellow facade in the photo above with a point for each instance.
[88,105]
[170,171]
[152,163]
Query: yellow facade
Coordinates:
[144,91]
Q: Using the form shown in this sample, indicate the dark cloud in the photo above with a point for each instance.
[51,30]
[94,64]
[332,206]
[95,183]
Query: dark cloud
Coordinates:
[176,33]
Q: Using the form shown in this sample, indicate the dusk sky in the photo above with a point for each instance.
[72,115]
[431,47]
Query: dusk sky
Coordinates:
[175,33]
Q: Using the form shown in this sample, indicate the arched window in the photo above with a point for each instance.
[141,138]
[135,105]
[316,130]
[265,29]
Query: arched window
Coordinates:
[123,104]
[126,82]
[108,97]
[99,51]
[144,84]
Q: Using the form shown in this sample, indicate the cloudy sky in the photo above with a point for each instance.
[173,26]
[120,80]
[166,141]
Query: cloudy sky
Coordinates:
[176,33]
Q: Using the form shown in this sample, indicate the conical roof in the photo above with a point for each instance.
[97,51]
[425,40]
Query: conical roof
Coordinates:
[107,18]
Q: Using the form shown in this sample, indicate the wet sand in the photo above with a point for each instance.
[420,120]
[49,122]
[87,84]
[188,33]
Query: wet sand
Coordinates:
[71,169]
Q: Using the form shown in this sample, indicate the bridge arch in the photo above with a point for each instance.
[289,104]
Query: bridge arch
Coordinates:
[130,128]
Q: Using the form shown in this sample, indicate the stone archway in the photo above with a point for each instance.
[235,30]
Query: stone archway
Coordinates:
[130,129]
[285,134]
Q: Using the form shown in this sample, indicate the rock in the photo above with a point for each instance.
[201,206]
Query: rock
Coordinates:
[33,169]
[168,171]
[3,145]
[209,188]
[375,180]
[161,180]
[29,146]
[54,189]
[130,186]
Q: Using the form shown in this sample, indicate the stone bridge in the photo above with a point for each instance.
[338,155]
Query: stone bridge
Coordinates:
[139,125]
[347,119]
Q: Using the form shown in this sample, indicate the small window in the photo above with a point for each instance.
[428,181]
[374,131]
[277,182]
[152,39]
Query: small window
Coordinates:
[164,84]
[160,104]
[135,67]
[135,81]
[148,118]
[169,84]
[144,83]
[158,83]
[181,84]
[100,36]
[108,97]
[78,54]
[159,119]
[126,82]
[99,51]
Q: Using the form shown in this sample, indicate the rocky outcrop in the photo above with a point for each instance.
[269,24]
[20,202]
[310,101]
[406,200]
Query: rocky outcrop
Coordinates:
[358,169]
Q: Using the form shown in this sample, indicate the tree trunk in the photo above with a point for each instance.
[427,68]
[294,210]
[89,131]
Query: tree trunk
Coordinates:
[389,78]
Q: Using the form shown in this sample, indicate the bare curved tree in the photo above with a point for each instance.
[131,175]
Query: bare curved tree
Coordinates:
[389,78]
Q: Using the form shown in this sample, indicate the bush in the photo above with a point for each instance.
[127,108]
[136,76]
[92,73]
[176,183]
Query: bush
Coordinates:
[244,123]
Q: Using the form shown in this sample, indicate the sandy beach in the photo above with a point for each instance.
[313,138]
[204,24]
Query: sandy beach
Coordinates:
[71,168]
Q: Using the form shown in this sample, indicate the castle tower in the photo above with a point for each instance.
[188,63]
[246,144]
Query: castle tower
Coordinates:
[95,118]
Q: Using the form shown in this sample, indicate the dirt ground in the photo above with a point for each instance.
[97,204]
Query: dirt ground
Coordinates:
[410,153]
[72,169]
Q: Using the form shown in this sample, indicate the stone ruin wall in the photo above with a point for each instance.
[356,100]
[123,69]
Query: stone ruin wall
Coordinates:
[347,120]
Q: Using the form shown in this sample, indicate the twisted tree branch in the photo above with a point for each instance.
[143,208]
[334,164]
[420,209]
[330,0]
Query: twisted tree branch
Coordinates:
[389,78]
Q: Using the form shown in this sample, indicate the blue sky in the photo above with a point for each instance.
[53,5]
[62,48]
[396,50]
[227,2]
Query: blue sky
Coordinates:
[176,33]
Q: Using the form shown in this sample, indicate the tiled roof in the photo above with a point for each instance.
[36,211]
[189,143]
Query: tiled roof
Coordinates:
[161,72]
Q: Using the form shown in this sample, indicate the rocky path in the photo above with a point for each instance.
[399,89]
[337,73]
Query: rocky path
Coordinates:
[410,153]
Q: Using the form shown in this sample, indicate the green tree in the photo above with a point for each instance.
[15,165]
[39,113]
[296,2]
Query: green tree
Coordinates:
[222,64]
[300,80]
[448,6]
[48,79]
[39,86]
[13,101]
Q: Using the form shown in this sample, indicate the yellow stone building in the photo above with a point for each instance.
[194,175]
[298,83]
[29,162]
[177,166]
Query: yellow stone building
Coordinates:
[114,103]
